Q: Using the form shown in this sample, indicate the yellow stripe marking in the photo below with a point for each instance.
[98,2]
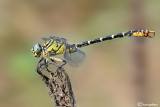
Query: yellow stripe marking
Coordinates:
[89,42]
[101,39]
[123,33]
[112,36]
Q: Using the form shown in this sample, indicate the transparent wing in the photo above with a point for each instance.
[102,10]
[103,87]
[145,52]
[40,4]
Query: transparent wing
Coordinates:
[45,39]
[75,58]
[58,39]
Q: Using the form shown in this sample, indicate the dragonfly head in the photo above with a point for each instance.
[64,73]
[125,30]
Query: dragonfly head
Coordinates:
[36,50]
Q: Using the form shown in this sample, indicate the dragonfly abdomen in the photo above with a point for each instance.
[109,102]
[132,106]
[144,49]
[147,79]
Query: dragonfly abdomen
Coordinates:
[86,43]
[119,35]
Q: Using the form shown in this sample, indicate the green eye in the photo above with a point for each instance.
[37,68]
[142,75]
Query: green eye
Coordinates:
[37,48]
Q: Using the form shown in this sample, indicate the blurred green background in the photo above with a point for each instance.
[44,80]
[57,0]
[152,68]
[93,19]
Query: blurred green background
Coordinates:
[109,76]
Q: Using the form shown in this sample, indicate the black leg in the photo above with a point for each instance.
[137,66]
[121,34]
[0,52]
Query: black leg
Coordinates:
[39,71]
[39,66]
[59,67]
[64,63]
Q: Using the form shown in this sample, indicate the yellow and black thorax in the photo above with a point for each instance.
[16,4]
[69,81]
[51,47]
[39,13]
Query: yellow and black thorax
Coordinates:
[55,46]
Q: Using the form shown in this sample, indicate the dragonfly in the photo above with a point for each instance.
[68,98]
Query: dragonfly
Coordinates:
[54,46]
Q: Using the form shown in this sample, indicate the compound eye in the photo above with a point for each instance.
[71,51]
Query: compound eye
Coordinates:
[36,48]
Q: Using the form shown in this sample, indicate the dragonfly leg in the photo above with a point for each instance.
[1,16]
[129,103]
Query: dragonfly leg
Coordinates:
[39,69]
[60,60]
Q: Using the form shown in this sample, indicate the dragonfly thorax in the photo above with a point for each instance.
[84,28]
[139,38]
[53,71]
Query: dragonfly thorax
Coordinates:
[54,48]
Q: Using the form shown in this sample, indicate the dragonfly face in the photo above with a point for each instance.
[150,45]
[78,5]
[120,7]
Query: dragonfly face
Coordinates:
[36,50]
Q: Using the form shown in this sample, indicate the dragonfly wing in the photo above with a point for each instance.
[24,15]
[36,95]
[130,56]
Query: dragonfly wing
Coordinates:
[58,39]
[54,38]
[45,39]
[75,58]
